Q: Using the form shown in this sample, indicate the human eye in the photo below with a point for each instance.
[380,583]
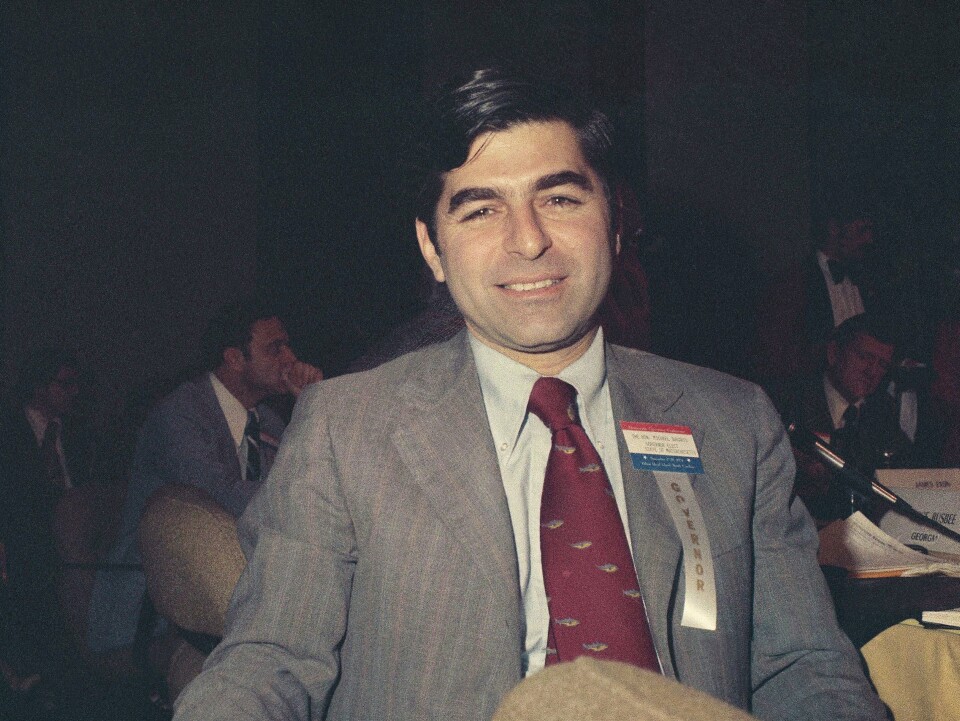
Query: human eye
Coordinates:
[562,201]
[477,214]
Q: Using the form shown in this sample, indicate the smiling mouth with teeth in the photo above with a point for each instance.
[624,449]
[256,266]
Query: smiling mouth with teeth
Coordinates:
[531,286]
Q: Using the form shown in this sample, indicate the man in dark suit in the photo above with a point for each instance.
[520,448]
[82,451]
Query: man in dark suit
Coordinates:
[214,432]
[412,553]
[846,405]
[45,449]
[801,308]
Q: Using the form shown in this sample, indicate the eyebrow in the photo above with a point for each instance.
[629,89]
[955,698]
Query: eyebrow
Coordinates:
[567,177]
[554,180]
[469,195]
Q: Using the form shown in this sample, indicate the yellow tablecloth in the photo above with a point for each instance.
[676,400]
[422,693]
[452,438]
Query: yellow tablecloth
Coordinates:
[916,671]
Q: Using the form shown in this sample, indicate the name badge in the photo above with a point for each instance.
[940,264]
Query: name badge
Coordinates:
[671,453]
[659,447]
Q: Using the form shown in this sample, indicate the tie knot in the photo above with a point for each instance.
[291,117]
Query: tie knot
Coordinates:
[851,415]
[253,424]
[554,402]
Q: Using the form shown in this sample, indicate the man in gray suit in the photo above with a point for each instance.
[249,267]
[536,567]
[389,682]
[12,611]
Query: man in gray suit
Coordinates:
[213,432]
[394,556]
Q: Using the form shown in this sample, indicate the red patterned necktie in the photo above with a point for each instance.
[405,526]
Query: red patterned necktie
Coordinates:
[596,608]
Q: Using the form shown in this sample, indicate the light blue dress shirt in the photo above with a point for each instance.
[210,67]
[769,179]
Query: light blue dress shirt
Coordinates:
[523,445]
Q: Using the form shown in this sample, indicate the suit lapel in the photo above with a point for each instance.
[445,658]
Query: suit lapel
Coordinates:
[639,394]
[226,448]
[819,310]
[814,411]
[25,454]
[446,445]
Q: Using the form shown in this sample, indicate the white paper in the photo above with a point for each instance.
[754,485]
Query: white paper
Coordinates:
[859,546]
[933,479]
[942,618]
[934,492]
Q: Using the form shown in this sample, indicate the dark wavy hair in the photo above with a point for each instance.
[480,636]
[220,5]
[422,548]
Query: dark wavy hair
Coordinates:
[232,326]
[496,99]
[875,325]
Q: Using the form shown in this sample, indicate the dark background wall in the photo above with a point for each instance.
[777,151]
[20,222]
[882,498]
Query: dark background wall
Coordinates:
[159,158]
[128,178]
[726,101]
[885,111]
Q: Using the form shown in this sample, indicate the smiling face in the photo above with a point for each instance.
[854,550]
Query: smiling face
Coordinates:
[523,242]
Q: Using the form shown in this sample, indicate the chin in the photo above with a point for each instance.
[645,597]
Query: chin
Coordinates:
[549,342]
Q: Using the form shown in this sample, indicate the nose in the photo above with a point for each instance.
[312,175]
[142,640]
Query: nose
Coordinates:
[526,236]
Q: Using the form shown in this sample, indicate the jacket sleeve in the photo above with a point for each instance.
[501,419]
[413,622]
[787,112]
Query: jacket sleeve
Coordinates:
[803,666]
[280,656]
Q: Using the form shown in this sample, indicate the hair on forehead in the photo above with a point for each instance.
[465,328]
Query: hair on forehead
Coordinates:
[873,325]
[232,326]
[493,100]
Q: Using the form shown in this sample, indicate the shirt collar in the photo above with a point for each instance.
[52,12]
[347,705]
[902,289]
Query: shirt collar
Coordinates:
[506,386]
[38,422]
[836,402]
[233,409]
[823,262]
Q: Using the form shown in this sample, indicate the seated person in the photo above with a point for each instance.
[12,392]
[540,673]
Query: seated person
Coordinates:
[846,405]
[45,454]
[802,306]
[412,554]
[213,432]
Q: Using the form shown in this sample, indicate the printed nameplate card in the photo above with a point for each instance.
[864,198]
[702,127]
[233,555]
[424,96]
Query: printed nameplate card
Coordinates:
[659,447]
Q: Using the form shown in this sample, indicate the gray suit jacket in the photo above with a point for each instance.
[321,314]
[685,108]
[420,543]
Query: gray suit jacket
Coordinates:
[185,439]
[382,580]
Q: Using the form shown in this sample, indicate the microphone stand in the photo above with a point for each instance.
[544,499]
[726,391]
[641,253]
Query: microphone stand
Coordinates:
[854,479]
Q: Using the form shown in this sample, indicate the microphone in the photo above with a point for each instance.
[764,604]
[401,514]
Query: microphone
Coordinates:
[808,441]
[849,475]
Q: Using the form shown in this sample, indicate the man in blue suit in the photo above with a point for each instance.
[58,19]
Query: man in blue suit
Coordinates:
[213,432]
[394,557]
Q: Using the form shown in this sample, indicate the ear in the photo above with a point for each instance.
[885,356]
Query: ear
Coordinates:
[429,251]
[234,358]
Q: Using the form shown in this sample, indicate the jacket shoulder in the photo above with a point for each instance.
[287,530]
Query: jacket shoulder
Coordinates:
[669,372]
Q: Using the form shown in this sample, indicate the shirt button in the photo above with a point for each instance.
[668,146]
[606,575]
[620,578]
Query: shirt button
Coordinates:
[503,446]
